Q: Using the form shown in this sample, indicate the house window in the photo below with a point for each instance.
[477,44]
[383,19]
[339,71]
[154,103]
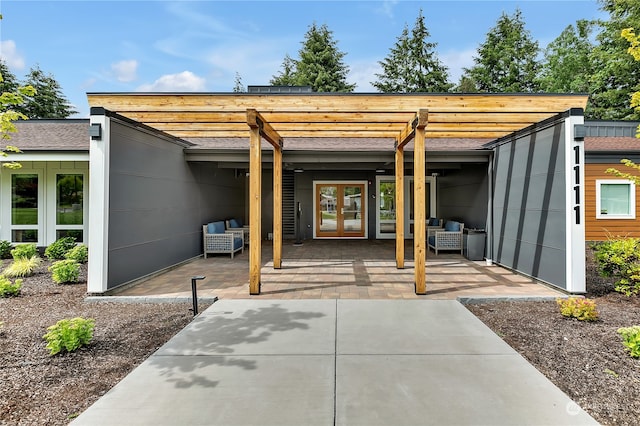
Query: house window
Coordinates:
[24,208]
[69,206]
[615,199]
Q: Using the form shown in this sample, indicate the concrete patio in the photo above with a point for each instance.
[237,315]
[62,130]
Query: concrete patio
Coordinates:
[345,269]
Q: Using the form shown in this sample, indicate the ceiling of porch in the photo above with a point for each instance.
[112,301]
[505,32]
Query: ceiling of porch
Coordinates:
[328,115]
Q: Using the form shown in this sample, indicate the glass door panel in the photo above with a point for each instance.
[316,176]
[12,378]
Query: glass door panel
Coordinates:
[386,208]
[339,210]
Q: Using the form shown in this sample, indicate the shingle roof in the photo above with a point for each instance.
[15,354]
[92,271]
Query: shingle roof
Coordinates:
[619,143]
[51,135]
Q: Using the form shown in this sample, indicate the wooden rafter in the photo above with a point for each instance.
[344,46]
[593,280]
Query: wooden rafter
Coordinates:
[256,121]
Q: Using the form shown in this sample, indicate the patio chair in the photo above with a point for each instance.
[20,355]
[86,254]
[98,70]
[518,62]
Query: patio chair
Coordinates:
[449,238]
[218,240]
[434,224]
[236,225]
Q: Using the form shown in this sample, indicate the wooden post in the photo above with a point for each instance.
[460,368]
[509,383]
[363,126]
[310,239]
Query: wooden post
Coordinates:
[400,207]
[277,207]
[419,211]
[255,207]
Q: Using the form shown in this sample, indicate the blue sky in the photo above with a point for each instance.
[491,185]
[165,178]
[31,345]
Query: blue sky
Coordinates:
[127,46]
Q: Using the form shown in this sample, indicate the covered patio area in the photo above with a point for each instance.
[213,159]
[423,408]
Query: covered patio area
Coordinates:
[340,269]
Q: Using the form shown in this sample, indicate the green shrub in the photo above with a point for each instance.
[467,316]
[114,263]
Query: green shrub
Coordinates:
[65,271]
[59,248]
[22,267]
[69,334]
[5,249]
[631,339]
[79,253]
[7,288]
[579,308]
[24,251]
[620,258]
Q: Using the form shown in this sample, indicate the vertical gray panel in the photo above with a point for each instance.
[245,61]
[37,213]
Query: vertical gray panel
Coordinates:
[529,205]
[158,203]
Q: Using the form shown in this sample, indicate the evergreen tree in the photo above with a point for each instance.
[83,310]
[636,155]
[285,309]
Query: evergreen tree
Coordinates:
[567,65]
[506,61]
[238,87]
[319,65]
[412,64]
[286,77]
[9,81]
[48,100]
[616,73]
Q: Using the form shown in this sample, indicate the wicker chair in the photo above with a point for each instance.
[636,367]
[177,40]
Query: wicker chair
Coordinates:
[218,240]
[236,225]
[449,238]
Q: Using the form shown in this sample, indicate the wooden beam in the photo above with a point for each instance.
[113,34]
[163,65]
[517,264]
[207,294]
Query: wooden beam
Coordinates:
[255,207]
[406,134]
[419,208]
[277,207]
[400,208]
[255,120]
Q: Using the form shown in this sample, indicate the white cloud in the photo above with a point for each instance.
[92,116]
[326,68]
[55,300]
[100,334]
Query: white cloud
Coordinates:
[362,74]
[186,81]
[456,60]
[387,8]
[10,55]
[125,71]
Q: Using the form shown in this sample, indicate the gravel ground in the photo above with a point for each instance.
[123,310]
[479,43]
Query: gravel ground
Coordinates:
[586,360]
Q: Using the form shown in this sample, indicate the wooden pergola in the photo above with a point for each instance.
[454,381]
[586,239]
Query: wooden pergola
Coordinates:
[278,117]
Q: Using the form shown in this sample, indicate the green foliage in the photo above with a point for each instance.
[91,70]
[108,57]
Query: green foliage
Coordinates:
[24,251]
[631,339]
[59,248]
[69,334]
[7,288]
[48,101]
[579,308]
[507,60]
[5,249]
[568,64]
[412,64]
[65,271]
[615,75]
[626,175]
[320,64]
[79,253]
[23,267]
[620,258]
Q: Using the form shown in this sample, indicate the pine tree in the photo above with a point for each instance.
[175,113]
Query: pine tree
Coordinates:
[412,64]
[567,65]
[238,87]
[506,61]
[48,101]
[319,65]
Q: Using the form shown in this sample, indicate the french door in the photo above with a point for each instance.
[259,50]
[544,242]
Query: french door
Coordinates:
[340,210]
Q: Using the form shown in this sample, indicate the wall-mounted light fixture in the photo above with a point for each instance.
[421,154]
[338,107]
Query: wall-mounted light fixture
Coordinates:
[380,170]
[298,170]
[95,131]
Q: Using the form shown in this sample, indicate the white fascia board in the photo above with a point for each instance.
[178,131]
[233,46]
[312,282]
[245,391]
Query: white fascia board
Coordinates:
[98,239]
[49,156]
[575,209]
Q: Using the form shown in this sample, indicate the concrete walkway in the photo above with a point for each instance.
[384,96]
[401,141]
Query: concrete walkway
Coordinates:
[335,362]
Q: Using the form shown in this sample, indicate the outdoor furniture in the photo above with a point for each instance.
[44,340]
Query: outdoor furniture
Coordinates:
[434,224]
[449,238]
[236,225]
[216,239]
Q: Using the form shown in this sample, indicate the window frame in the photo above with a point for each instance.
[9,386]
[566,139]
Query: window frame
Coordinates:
[632,198]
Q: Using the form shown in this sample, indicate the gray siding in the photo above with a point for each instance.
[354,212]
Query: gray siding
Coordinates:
[158,203]
[529,227]
[463,195]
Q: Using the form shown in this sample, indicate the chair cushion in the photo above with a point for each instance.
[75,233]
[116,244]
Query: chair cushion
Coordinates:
[452,226]
[234,224]
[237,243]
[433,221]
[215,227]
[432,240]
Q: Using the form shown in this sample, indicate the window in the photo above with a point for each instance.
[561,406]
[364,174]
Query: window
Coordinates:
[24,208]
[615,199]
[69,206]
